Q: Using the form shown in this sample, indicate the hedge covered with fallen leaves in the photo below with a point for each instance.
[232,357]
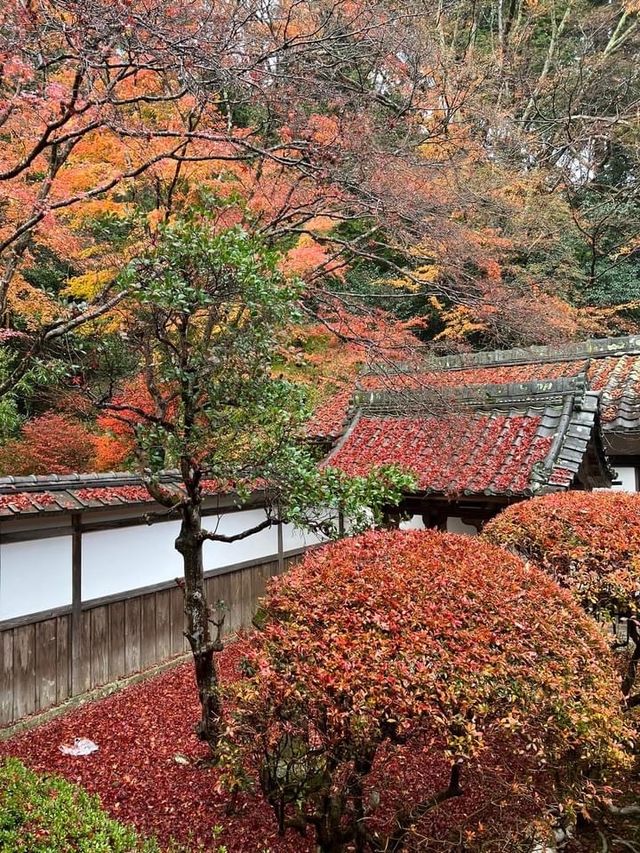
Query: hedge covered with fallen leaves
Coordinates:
[416,638]
[588,541]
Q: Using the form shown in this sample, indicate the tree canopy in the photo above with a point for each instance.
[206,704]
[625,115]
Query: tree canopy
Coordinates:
[472,172]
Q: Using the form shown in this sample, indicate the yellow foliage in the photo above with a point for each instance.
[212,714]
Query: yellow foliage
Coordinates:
[31,304]
[93,208]
[155,218]
[89,285]
[633,245]
[425,275]
[459,323]
[321,224]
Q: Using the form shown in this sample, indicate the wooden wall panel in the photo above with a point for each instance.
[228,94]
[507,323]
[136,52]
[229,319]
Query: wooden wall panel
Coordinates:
[234,614]
[63,658]
[99,649]
[24,671]
[116,640]
[46,663]
[132,635]
[178,640]
[81,655]
[6,677]
[148,655]
[225,596]
[163,625]
[42,663]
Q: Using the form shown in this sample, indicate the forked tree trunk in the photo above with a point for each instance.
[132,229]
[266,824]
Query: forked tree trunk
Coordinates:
[189,544]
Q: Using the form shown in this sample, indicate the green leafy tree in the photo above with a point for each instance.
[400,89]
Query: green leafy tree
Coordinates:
[205,314]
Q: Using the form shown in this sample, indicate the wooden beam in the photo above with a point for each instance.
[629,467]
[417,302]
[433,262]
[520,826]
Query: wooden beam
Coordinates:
[76,599]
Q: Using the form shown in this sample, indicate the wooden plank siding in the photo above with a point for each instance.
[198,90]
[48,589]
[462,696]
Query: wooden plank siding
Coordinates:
[115,639]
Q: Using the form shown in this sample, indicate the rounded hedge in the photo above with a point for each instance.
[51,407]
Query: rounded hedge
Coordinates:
[588,541]
[397,635]
[47,814]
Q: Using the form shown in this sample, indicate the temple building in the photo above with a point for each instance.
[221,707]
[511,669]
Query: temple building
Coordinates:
[483,430]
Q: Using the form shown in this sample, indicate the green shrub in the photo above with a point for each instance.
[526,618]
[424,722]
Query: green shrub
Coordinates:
[49,815]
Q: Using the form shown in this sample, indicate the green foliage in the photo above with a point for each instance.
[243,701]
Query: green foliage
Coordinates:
[314,496]
[48,272]
[109,228]
[210,307]
[17,403]
[10,420]
[50,815]
[210,310]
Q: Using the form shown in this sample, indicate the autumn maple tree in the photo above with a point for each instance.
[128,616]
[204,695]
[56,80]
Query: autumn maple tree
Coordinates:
[117,114]
[49,444]
[396,639]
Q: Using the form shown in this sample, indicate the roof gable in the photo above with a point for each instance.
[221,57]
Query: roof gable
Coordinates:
[511,440]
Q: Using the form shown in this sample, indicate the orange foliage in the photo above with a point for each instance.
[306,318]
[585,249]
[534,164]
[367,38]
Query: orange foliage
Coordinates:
[50,444]
[587,541]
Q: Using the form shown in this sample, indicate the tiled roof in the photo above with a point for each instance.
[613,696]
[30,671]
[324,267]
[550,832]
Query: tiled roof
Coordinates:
[512,440]
[78,492]
[499,375]
[619,380]
[613,367]
[576,350]
[330,417]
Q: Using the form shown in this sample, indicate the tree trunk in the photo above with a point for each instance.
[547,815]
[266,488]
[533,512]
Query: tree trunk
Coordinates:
[196,608]
[330,837]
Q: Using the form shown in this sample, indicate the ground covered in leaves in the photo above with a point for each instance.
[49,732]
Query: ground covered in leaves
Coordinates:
[150,770]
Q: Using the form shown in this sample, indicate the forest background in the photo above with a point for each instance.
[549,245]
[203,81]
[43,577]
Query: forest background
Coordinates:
[427,176]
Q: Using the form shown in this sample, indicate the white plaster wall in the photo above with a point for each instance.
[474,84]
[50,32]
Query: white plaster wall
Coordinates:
[263,544]
[456,525]
[293,539]
[127,558]
[413,523]
[34,576]
[628,477]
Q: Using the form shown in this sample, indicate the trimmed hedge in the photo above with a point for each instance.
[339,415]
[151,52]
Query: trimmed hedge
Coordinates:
[49,815]
[430,639]
[587,541]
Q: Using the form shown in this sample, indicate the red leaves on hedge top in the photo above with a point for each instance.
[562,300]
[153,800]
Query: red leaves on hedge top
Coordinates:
[588,541]
[474,594]
[472,453]
[442,639]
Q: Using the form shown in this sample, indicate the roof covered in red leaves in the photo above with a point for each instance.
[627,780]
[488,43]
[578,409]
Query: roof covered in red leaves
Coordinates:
[509,441]
[612,366]
[331,416]
[474,376]
[80,492]
[471,454]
